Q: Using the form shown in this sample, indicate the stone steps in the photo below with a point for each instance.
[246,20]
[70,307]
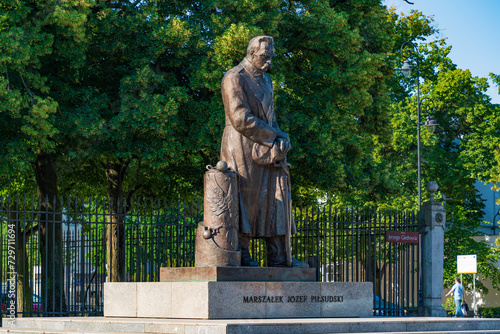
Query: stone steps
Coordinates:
[101,325]
[52,331]
[48,331]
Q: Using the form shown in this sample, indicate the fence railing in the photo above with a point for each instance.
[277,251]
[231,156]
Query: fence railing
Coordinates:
[55,258]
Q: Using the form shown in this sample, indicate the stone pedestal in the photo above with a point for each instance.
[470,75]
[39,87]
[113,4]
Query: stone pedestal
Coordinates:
[238,300]
[216,242]
[237,274]
[432,258]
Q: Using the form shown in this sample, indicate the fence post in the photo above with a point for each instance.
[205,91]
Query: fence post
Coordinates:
[433,254]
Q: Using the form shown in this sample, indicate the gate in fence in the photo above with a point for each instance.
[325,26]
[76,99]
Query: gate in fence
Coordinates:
[55,260]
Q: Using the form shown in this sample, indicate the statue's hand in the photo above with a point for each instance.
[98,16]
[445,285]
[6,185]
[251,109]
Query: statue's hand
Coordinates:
[284,145]
[284,135]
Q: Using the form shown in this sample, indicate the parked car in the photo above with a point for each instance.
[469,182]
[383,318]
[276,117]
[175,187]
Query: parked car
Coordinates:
[385,308]
[36,305]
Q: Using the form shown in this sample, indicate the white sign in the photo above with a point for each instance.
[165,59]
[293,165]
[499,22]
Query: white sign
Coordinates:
[466,264]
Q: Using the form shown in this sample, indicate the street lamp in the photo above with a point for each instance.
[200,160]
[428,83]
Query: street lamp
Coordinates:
[430,122]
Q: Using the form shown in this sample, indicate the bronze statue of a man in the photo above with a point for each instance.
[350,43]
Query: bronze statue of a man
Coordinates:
[254,146]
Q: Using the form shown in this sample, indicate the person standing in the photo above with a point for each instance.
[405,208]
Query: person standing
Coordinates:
[458,293]
[254,146]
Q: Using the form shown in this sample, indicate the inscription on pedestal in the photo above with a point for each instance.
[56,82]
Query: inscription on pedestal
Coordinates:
[293,299]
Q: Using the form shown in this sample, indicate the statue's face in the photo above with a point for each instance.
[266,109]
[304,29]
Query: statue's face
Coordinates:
[263,57]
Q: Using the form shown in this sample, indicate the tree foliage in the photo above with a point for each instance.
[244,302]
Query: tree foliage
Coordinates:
[124,96]
[41,43]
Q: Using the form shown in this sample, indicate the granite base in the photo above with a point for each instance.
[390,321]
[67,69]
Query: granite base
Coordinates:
[238,300]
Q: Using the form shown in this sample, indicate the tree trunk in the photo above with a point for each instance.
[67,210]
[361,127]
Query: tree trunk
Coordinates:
[372,272]
[24,297]
[115,232]
[50,239]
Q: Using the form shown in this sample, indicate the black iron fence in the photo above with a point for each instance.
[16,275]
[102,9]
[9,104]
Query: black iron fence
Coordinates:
[56,255]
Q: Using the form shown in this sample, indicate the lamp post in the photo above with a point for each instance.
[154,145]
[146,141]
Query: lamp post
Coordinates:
[430,123]
[430,277]
[493,228]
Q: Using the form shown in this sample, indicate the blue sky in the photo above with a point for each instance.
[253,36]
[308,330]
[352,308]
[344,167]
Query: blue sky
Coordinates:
[472,28]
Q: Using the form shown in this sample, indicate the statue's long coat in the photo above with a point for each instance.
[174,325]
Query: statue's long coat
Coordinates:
[265,198]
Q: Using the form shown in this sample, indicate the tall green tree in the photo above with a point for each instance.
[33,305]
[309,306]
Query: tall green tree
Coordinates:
[147,112]
[459,103]
[463,108]
[122,117]
[41,46]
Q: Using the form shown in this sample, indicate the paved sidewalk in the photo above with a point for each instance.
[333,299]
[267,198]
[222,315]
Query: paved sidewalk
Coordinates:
[96,325]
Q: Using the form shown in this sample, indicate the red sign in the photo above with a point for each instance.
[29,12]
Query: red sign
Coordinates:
[401,237]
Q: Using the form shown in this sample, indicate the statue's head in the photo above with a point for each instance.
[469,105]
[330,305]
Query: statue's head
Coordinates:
[260,52]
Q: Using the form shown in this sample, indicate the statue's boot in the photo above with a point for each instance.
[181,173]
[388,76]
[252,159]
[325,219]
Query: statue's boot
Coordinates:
[246,258]
[276,253]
